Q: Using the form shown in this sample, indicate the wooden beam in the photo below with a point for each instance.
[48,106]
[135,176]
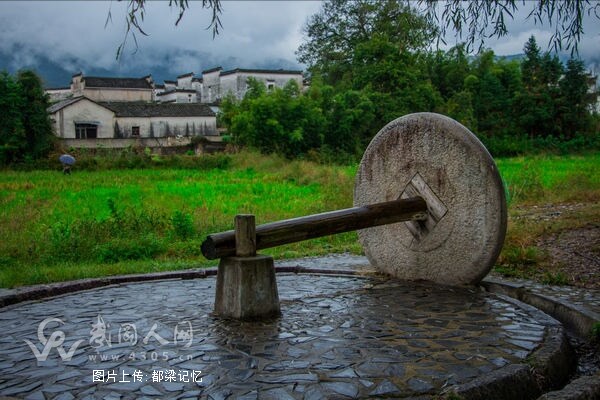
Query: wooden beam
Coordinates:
[245,235]
[313,226]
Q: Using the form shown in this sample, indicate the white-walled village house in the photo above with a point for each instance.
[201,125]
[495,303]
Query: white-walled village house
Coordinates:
[82,122]
[113,89]
[216,83]
[118,112]
[210,88]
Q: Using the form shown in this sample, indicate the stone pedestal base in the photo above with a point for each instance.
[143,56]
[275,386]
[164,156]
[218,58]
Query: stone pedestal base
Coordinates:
[246,288]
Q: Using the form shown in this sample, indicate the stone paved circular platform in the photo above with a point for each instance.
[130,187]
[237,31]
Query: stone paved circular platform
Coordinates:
[339,337]
[588,299]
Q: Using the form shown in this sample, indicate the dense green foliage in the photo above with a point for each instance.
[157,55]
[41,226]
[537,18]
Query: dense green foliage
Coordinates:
[348,39]
[282,121]
[25,129]
[370,62]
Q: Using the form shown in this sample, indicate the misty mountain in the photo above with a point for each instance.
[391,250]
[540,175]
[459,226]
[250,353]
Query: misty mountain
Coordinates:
[164,66]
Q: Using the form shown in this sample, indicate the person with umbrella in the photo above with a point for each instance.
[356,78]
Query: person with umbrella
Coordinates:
[67,162]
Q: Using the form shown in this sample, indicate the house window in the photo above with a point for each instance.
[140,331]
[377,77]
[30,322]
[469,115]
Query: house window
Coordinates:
[135,131]
[86,131]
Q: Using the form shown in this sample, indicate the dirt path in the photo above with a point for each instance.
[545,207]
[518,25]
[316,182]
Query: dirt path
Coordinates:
[576,253]
[573,253]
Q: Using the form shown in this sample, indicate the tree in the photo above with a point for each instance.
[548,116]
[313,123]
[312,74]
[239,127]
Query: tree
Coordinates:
[574,100]
[281,121]
[335,33]
[532,63]
[373,50]
[448,70]
[25,128]
[36,122]
[492,103]
[12,133]
[349,122]
[460,107]
[538,101]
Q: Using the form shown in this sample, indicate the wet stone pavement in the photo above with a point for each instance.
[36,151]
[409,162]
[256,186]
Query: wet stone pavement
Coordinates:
[586,299]
[339,337]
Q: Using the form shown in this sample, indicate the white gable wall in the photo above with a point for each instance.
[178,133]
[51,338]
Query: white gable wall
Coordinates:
[236,83]
[185,82]
[232,84]
[210,86]
[179,96]
[83,111]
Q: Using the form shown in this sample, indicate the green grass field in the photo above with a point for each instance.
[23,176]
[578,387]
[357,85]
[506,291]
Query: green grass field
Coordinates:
[551,179]
[98,223]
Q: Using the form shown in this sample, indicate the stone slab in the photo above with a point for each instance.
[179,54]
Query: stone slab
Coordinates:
[337,336]
[247,288]
[437,158]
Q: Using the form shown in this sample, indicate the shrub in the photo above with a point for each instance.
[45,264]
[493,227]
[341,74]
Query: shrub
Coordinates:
[182,226]
[123,249]
[558,278]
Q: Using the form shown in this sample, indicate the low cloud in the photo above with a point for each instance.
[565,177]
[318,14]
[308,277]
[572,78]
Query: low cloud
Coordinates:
[255,34]
[252,32]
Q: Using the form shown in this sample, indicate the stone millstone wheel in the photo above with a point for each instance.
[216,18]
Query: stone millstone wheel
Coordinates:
[437,158]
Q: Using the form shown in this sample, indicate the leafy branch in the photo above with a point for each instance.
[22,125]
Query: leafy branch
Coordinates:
[482,19]
[136,10]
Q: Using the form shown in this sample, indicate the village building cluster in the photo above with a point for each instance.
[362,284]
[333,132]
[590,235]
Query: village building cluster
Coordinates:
[120,112]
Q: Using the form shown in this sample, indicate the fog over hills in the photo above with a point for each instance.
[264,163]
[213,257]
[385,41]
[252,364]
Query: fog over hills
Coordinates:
[165,66]
[61,38]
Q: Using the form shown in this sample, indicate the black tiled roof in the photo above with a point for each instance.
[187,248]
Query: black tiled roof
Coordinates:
[260,71]
[166,92]
[62,104]
[208,71]
[129,83]
[133,109]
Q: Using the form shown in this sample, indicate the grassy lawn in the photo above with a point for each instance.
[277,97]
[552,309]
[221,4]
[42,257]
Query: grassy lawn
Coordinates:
[98,223]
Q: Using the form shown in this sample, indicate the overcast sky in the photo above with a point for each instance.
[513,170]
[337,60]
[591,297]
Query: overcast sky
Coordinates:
[252,32]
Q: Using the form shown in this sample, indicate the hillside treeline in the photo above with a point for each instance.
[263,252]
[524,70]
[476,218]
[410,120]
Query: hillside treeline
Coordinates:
[371,62]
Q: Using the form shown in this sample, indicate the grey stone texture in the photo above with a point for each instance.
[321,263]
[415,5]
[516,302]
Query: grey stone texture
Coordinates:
[578,309]
[247,288]
[338,337]
[440,160]
[584,388]
[346,354]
